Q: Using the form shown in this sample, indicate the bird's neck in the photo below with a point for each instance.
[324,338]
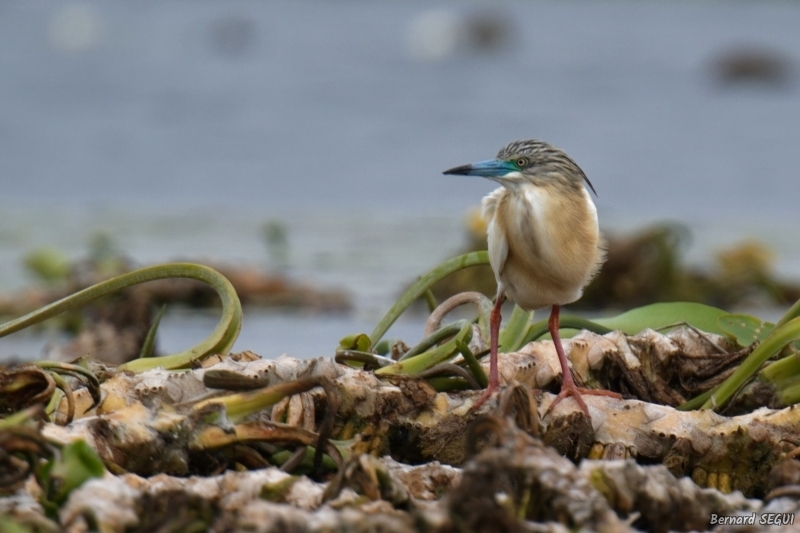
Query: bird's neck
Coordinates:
[518,183]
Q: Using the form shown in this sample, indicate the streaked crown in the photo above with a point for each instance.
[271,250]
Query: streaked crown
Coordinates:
[539,160]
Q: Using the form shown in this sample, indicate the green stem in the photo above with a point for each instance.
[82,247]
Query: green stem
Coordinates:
[793,312]
[243,404]
[784,375]
[430,299]
[781,370]
[64,387]
[789,394]
[19,418]
[220,341]
[362,359]
[69,368]
[697,401]
[434,338]
[473,364]
[419,363]
[539,329]
[423,284]
[512,337]
[775,341]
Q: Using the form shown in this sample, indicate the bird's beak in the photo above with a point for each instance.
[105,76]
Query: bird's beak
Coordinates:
[493,168]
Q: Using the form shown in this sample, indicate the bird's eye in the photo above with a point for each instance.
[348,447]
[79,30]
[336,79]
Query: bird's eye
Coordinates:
[522,162]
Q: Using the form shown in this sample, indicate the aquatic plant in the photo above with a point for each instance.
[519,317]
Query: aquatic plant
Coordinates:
[204,411]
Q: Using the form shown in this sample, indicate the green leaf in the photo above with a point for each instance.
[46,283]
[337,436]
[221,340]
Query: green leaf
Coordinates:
[745,329]
[655,316]
[661,315]
[76,464]
[359,342]
[149,344]
[569,326]
[48,264]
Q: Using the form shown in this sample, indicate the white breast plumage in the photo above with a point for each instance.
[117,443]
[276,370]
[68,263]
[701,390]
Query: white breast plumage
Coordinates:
[536,250]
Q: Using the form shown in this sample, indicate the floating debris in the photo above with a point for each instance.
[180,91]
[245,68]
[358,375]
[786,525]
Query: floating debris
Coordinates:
[208,440]
[152,433]
[439,34]
[754,65]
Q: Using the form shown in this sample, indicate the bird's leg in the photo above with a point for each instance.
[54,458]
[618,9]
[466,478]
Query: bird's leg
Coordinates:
[568,387]
[494,334]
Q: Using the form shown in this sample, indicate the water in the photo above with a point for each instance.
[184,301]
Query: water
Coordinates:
[180,127]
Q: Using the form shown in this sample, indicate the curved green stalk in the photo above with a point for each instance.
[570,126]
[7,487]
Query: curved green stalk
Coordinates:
[473,364]
[539,329]
[419,363]
[69,368]
[512,337]
[784,376]
[20,417]
[430,299]
[780,337]
[362,359]
[697,401]
[793,312]
[220,341]
[782,370]
[433,339]
[422,285]
[240,405]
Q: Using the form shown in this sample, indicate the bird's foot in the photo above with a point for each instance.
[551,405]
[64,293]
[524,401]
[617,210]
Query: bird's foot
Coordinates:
[577,392]
[487,393]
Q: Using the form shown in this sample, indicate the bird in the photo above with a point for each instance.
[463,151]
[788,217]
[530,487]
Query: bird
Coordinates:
[544,242]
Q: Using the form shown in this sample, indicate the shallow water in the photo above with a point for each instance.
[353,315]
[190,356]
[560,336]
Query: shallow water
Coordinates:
[181,127]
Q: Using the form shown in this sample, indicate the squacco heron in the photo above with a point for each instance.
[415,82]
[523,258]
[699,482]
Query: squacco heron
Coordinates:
[544,241]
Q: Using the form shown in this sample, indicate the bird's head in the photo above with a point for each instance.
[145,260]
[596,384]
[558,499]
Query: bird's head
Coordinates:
[528,162]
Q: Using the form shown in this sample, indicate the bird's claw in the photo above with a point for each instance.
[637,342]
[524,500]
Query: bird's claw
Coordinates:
[576,393]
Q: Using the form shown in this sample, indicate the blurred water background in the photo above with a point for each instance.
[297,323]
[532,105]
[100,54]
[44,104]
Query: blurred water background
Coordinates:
[181,127]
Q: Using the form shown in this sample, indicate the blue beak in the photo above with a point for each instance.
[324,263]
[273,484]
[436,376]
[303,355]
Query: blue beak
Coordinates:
[493,168]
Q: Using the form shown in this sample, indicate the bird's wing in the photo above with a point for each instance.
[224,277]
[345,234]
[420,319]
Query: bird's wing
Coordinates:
[498,248]
[498,245]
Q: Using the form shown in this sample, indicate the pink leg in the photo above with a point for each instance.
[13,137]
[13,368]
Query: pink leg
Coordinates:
[494,333]
[568,387]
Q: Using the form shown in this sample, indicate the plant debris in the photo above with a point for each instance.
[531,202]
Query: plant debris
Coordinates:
[385,437]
